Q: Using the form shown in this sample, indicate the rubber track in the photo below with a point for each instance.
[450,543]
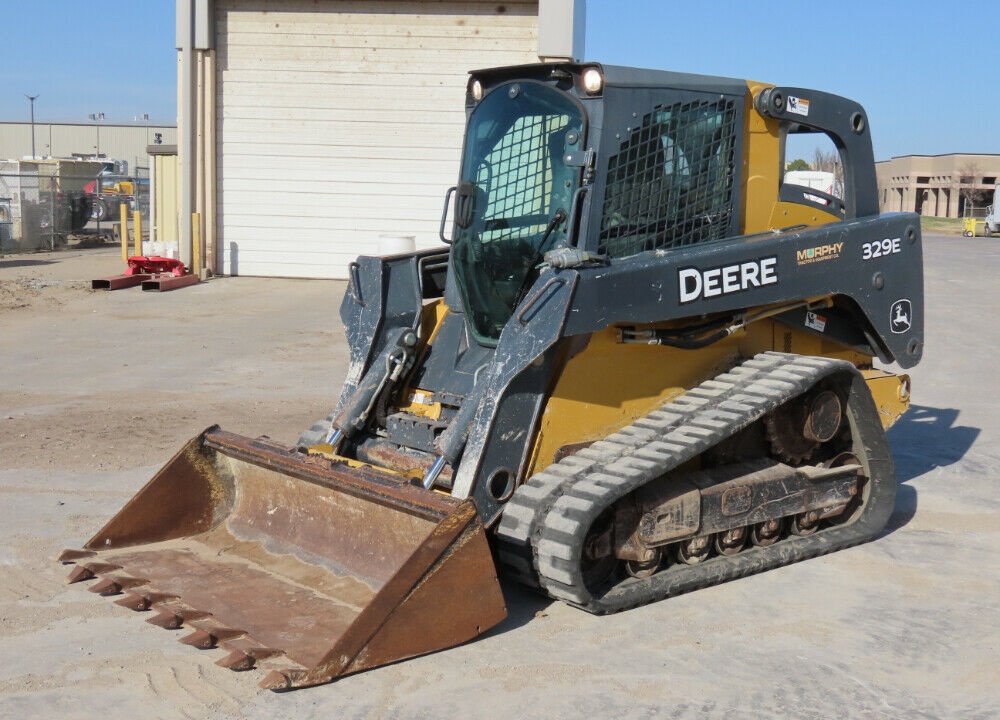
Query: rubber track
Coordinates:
[543,527]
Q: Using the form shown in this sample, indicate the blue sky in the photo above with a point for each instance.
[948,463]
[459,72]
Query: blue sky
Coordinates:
[107,56]
[927,72]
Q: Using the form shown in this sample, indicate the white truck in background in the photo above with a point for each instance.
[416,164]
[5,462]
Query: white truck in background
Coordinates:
[816,179]
[992,218]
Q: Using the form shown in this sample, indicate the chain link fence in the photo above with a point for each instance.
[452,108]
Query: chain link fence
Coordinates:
[45,207]
[975,211]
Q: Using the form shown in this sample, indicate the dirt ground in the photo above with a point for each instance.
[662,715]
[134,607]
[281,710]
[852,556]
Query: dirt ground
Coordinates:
[98,389]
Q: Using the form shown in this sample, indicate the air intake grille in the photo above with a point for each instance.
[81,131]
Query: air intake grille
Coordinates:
[671,183]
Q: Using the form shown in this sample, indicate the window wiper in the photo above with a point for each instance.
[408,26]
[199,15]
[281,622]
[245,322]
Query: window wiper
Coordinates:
[557,219]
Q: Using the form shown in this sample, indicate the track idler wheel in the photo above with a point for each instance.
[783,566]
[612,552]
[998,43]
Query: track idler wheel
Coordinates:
[638,569]
[804,523]
[731,542]
[695,550]
[796,429]
[765,533]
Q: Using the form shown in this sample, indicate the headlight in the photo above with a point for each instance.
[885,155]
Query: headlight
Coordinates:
[593,81]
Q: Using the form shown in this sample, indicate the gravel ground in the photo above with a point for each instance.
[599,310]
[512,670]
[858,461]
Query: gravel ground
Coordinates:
[98,389]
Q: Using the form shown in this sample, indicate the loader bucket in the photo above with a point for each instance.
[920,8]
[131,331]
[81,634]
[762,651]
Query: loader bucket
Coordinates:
[303,566]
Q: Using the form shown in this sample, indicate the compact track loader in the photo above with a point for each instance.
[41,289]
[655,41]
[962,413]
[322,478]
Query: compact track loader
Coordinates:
[641,364]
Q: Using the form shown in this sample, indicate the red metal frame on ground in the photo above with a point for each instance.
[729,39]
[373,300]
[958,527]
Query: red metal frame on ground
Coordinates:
[152,272]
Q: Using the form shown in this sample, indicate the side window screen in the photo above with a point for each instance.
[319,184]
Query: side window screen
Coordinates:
[671,183]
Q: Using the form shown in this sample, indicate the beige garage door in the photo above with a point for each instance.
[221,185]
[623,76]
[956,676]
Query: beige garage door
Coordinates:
[340,122]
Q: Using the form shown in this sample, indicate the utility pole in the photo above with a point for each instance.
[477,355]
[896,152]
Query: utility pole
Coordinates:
[97,117]
[31,99]
[145,119]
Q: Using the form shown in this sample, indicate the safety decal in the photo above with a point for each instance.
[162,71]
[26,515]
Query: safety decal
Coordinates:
[900,316]
[815,322]
[797,105]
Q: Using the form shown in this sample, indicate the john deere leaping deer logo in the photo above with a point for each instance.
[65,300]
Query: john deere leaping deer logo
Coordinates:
[900,316]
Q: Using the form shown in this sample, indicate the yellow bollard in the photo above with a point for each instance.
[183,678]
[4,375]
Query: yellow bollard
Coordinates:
[137,231]
[123,213]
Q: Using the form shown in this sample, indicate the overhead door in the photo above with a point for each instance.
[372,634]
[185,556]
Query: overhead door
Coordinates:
[340,122]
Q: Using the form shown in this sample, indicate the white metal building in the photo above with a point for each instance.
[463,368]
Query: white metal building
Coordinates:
[65,140]
[310,128]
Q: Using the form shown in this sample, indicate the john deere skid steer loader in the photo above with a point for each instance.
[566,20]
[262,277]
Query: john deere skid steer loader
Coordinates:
[643,364]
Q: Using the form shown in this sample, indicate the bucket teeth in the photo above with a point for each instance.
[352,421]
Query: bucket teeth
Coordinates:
[88,571]
[276,680]
[114,584]
[245,652]
[172,613]
[78,574]
[237,660]
[209,635]
[283,674]
[179,607]
[71,556]
[166,620]
[107,586]
[133,602]
[144,601]
[200,639]
[126,582]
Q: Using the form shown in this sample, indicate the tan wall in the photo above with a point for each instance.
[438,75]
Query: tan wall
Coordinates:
[164,200]
[934,183]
